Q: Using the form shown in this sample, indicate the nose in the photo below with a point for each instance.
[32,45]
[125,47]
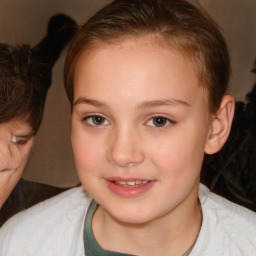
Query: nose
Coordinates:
[9,156]
[126,149]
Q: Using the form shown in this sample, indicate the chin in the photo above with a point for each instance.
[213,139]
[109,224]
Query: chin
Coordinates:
[127,215]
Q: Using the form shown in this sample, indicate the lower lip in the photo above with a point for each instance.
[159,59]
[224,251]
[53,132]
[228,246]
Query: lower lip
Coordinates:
[129,191]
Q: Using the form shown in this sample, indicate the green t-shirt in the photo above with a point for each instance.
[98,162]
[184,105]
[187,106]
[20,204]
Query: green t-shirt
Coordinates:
[91,246]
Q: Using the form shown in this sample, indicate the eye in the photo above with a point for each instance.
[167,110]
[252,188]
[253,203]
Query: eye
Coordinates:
[19,139]
[159,121]
[96,120]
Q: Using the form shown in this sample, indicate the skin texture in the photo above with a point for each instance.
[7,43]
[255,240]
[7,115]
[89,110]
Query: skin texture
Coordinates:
[13,156]
[128,86]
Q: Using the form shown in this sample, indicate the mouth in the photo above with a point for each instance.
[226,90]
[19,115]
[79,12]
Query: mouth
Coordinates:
[132,183]
[129,187]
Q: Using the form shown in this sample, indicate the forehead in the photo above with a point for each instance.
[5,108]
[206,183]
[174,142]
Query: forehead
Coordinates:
[148,41]
[133,64]
[16,126]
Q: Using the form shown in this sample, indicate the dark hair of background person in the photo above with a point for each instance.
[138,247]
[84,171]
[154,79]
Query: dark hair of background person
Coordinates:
[26,73]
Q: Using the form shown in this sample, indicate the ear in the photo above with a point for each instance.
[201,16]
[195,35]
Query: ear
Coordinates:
[220,125]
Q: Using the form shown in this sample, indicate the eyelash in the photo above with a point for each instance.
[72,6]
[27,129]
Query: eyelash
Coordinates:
[90,121]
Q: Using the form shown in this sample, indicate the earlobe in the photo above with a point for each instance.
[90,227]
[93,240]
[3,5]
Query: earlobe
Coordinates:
[220,125]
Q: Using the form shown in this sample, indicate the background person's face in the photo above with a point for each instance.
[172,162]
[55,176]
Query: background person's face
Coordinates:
[14,153]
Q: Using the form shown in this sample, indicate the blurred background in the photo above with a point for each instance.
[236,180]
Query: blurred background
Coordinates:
[25,22]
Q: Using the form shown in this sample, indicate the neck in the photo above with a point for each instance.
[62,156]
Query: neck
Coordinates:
[171,234]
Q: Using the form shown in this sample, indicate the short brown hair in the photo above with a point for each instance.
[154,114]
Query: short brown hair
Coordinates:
[177,22]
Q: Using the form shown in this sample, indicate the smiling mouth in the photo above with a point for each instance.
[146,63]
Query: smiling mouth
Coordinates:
[131,184]
[129,187]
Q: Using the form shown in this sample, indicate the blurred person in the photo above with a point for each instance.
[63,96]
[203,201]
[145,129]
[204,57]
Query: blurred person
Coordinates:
[25,77]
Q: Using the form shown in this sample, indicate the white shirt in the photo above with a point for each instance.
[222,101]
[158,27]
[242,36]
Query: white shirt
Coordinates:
[55,228]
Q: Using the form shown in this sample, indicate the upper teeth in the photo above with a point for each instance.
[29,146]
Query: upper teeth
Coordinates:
[131,183]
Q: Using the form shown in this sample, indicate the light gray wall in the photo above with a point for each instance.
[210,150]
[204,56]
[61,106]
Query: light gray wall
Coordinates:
[25,21]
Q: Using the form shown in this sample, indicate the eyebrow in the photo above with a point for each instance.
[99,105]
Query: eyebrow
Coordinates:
[143,105]
[92,102]
[158,103]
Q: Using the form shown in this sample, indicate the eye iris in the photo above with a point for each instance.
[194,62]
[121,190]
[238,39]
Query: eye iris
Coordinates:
[98,120]
[159,121]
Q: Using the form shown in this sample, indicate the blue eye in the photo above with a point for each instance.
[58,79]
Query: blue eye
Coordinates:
[96,120]
[159,121]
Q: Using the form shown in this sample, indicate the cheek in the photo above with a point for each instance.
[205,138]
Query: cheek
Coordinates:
[28,149]
[25,152]
[87,152]
[9,179]
[181,154]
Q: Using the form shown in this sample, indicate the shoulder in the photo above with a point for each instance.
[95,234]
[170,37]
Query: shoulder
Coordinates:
[56,221]
[72,200]
[227,228]
[215,206]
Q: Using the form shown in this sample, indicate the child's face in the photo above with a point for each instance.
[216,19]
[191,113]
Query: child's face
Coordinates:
[139,128]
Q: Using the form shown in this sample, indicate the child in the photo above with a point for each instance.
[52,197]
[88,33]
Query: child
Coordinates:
[146,81]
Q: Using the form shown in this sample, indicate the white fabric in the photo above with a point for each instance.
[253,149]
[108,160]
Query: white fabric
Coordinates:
[51,228]
[55,228]
[227,229]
